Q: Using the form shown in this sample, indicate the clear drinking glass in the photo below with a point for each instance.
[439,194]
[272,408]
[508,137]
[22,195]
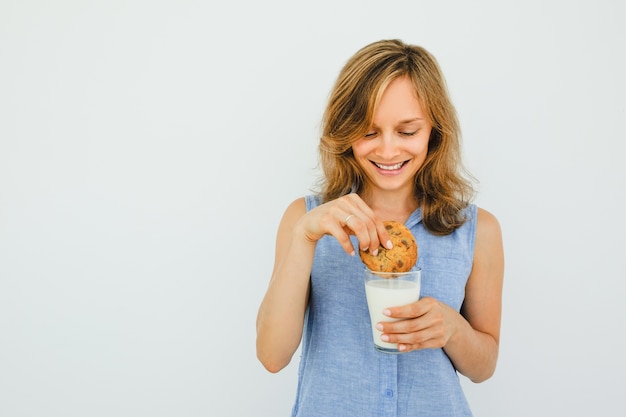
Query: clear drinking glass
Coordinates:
[389,289]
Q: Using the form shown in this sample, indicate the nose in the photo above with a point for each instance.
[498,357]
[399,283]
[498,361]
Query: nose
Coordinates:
[388,146]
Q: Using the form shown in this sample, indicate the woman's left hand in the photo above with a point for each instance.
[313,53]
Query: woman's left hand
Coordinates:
[427,323]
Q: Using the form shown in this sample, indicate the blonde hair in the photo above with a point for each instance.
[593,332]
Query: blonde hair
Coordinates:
[442,186]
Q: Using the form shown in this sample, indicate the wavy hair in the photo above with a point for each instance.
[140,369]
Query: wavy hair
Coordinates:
[442,185]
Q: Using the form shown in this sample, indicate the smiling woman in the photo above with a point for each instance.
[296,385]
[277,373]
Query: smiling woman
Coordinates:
[410,96]
[389,152]
[395,147]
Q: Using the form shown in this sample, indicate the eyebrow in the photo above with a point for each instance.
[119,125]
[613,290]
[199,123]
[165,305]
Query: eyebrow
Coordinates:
[406,121]
[416,119]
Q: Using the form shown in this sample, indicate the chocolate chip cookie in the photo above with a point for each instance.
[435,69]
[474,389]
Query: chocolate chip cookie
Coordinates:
[400,258]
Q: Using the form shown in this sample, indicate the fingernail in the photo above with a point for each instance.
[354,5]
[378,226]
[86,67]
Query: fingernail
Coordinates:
[384,338]
[375,252]
[352,253]
[379,327]
[387,312]
[389,244]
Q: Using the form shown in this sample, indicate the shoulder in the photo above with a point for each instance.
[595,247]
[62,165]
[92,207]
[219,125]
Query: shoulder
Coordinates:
[488,236]
[486,224]
[296,208]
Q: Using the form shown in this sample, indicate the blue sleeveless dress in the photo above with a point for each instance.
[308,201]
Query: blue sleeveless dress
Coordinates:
[340,373]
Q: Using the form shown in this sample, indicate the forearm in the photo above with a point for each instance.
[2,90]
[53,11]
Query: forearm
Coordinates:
[281,314]
[473,346]
[473,353]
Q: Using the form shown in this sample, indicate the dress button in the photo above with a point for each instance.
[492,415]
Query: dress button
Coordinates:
[389,393]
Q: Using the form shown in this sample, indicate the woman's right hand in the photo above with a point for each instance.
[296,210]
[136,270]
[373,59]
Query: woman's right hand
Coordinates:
[342,217]
[281,314]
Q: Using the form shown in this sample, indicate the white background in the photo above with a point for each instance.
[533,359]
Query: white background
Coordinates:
[149,148]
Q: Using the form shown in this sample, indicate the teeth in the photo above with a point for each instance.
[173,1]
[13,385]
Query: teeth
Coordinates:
[389,167]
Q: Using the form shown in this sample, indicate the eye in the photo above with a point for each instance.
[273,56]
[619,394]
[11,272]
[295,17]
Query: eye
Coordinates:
[408,133]
[370,135]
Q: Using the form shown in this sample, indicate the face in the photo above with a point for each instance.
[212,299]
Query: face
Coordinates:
[395,146]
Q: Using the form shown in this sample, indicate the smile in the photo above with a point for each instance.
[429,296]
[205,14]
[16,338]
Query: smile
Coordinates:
[390,167]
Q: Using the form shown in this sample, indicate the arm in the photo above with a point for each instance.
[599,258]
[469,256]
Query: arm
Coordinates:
[281,314]
[471,338]
[474,347]
[280,318]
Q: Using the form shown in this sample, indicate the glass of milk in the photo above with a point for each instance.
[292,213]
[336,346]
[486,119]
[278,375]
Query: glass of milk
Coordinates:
[389,289]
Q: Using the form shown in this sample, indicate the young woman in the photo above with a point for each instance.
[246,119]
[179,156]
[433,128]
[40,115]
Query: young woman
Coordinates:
[390,150]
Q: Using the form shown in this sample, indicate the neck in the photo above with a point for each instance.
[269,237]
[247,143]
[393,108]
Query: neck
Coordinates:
[391,205]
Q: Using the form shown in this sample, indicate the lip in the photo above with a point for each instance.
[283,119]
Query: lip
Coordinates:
[389,168]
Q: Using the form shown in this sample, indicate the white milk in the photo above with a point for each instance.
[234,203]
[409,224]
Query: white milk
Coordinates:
[385,293]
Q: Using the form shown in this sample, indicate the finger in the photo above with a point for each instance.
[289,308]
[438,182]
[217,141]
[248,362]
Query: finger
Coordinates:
[343,237]
[419,341]
[347,220]
[349,225]
[361,230]
[383,235]
[378,233]
[412,310]
[368,227]
[375,238]
[402,326]
[427,338]
[346,244]
[332,223]
[354,218]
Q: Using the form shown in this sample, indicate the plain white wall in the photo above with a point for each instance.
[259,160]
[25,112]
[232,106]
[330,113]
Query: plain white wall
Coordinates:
[149,148]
